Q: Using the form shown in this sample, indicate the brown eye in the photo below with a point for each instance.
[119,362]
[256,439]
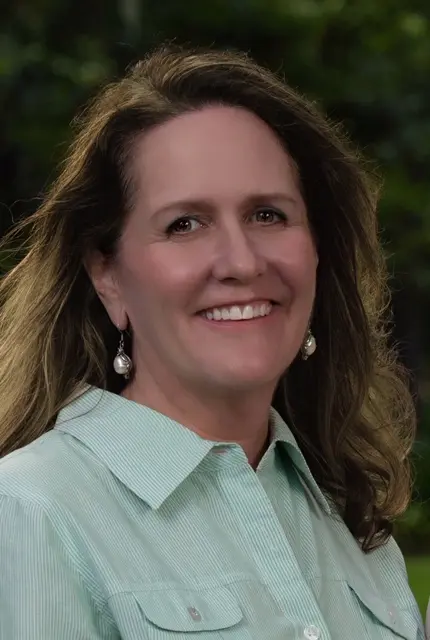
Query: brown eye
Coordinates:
[183,225]
[267,216]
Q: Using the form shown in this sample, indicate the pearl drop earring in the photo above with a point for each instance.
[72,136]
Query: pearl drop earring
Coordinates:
[122,362]
[309,346]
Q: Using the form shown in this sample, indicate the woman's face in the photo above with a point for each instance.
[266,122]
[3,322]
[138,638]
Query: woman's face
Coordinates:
[216,267]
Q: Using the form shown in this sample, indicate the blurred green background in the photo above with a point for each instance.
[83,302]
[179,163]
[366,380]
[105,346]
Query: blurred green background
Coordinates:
[366,62]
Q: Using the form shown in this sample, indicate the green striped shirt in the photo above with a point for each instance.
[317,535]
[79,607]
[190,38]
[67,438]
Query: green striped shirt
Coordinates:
[121,523]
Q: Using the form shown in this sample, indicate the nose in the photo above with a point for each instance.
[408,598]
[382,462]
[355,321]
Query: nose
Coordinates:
[237,257]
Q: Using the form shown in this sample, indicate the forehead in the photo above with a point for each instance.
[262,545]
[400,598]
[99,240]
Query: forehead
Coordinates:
[211,151]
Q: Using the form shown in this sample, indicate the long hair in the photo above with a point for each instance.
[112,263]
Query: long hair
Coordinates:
[348,406]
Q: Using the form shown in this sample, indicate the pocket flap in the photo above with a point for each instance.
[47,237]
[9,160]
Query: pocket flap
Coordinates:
[397,620]
[190,610]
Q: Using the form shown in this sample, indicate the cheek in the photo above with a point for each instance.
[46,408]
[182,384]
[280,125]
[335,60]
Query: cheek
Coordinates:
[299,264]
[160,276]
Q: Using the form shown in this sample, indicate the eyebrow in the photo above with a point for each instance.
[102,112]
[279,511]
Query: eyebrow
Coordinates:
[208,205]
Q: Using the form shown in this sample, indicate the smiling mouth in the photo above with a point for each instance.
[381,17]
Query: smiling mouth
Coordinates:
[239,312]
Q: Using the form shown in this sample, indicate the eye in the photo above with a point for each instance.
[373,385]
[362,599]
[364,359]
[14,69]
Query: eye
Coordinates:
[268,215]
[183,225]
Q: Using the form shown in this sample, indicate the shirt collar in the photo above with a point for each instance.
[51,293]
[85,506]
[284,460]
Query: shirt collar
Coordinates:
[282,433]
[147,451]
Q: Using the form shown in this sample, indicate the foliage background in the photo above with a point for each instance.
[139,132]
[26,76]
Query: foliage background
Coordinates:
[367,63]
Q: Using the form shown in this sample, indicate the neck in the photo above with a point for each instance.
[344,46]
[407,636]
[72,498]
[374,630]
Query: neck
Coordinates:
[242,418]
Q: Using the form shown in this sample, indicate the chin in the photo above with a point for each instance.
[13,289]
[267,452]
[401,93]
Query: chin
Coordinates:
[243,380]
[241,372]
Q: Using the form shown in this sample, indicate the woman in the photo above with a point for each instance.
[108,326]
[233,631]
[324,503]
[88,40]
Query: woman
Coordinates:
[209,250]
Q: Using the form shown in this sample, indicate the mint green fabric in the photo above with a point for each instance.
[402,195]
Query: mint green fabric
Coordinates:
[121,523]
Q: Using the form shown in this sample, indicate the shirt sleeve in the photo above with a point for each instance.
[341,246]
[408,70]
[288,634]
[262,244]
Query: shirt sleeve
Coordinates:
[42,594]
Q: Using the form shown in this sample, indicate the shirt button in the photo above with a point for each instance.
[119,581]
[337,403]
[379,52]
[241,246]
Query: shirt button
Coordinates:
[312,632]
[194,614]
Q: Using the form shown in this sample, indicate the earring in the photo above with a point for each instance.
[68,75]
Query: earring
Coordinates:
[122,362]
[309,346]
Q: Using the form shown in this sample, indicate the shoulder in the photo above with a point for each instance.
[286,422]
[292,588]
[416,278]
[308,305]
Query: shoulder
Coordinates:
[49,491]
[389,562]
[49,470]
[57,463]
[390,573]
[39,542]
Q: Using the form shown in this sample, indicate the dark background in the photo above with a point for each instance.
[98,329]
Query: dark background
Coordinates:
[366,62]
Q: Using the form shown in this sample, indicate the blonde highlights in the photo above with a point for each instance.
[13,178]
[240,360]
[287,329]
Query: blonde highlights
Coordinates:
[349,405]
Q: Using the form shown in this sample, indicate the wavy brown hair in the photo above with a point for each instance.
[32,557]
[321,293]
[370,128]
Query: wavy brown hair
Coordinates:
[349,405]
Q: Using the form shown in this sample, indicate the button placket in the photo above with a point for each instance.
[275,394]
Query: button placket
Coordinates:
[270,548]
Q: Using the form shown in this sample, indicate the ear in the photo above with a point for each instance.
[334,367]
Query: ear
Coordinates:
[104,277]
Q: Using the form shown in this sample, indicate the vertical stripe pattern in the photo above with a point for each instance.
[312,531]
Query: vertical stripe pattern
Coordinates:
[122,524]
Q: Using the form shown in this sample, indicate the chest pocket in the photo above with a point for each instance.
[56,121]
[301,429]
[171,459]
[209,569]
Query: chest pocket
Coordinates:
[178,613]
[393,622]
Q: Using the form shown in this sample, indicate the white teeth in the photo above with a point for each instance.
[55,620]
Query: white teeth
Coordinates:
[235,313]
[247,312]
